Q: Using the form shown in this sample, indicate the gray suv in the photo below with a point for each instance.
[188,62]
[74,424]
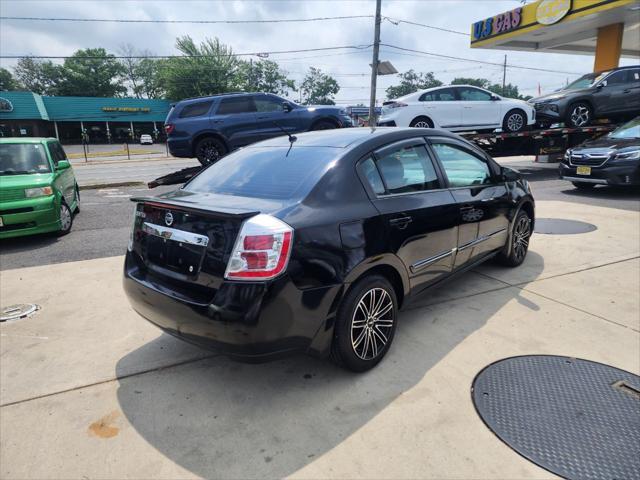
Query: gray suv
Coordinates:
[611,94]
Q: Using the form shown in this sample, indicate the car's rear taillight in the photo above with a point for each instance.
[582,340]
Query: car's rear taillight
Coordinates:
[395,105]
[168,128]
[262,249]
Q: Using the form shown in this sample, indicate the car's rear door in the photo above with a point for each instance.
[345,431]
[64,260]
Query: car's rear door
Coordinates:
[272,117]
[420,216]
[235,117]
[482,197]
[442,107]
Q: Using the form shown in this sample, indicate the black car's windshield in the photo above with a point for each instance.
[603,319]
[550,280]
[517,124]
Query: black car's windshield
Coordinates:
[266,172]
[628,130]
[23,158]
[585,81]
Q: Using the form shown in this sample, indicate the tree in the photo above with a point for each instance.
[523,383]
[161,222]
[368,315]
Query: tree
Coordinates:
[477,82]
[7,82]
[91,73]
[141,74]
[319,88]
[38,76]
[410,82]
[264,76]
[206,69]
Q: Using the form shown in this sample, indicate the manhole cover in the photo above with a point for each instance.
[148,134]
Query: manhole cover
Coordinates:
[576,418]
[562,226]
[15,312]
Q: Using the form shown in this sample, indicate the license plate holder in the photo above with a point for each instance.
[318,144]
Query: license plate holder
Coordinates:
[180,257]
[583,170]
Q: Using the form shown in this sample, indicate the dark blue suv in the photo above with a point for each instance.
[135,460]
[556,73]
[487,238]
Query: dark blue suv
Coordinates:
[210,127]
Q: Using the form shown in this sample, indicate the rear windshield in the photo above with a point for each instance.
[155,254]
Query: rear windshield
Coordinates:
[266,172]
[17,159]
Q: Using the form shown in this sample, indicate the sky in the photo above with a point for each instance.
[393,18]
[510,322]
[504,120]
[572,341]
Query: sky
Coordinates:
[350,68]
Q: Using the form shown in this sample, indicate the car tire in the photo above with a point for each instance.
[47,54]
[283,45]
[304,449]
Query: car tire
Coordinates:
[361,340]
[323,125]
[580,114]
[77,199]
[516,250]
[421,122]
[66,218]
[584,185]
[209,150]
[514,121]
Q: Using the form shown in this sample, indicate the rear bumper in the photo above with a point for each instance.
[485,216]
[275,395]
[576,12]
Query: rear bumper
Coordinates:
[607,175]
[28,217]
[250,321]
[180,147]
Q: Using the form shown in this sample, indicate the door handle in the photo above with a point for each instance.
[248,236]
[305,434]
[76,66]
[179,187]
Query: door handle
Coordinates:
[400,222]
[217,121]
[488,199]
[628,90]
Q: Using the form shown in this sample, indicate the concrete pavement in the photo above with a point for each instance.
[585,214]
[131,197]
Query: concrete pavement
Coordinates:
[89,389]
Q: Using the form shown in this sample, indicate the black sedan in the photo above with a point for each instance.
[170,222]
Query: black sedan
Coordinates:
[312,244]
[613,159]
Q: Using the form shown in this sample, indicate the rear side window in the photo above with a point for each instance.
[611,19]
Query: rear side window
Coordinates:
[236,105]
[463,169]
[269,173]
[442,95]
[195,109]
[408,169]
[370,172]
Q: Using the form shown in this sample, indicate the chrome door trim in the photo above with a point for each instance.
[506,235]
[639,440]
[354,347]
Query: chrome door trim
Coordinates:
[175,234]
[479,240]
[420,264]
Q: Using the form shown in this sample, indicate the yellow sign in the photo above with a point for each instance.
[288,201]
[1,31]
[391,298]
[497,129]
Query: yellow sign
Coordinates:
[552,11]
[126,109]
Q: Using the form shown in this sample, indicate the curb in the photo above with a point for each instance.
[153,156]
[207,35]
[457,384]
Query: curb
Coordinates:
[124,160]
[94,186]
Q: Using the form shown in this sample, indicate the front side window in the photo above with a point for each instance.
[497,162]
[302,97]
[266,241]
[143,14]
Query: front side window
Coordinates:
[196,109]
[268,104]
[23,158]
[236,105]
[57,152]
[408,169]
[617,78]
[473,94]
[463,169]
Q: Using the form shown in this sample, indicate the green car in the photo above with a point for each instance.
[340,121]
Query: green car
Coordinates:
[38,190]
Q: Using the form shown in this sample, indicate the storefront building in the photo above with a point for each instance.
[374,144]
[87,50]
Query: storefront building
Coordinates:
[78,119]
[606,29]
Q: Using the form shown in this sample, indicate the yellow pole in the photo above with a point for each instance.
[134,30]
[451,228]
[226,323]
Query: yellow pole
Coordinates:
[608,47]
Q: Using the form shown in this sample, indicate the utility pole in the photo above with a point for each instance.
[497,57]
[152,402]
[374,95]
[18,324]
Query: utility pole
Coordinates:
[374,65]
[504,74]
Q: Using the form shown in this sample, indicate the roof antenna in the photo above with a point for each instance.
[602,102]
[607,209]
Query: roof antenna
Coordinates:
[292,138]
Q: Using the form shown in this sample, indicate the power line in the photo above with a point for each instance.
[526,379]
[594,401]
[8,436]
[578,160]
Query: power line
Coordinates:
[230,22]
[138,57]
[397,21]
[475,61]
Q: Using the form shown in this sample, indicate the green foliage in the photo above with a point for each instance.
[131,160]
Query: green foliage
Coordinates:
[318,88]
[142,74]
[38,76]
[206,69]
[91,73]
[477,82]
[7,82]
[410,82]
[264,76]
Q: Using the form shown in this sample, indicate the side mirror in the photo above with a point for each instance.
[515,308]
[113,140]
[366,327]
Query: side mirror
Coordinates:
[510,175]
[602,84]
[63,165]
[495,98]
[287,107]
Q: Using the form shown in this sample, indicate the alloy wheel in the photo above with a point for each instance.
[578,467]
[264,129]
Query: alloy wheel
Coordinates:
[580,115]
[372,323]
[521,234]
[208,152]
[65,218]
[422,124]
[515,122]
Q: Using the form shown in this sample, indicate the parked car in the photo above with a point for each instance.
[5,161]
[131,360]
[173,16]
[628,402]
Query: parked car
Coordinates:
[210,127]
[314,245]
[457,108]
[610,94]
[38,190]
[146,139]
[613,159]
